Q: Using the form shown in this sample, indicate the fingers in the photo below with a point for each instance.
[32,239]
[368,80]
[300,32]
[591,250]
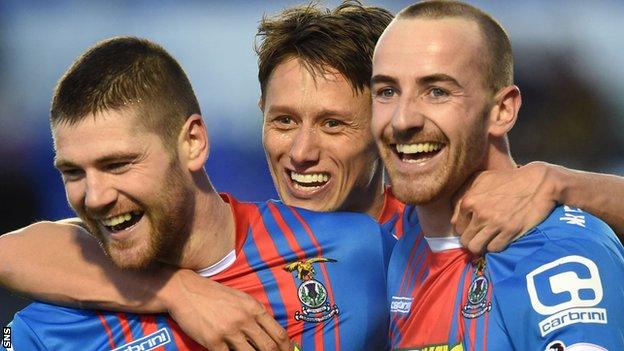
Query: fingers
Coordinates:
[473,238]
[275,331]
[240,343]
[257,337]
[462,218]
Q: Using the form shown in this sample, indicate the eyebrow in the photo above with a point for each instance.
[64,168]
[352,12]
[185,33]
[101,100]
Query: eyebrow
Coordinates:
[324,113]
[116,156]
[438,77]
[381,78]
[432,78]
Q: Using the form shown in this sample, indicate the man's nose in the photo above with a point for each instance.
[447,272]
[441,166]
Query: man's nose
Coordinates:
[99,193]
[305,148]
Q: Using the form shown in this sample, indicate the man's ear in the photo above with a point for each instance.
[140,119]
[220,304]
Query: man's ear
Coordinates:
[193,143]
[260,105]
[504,113]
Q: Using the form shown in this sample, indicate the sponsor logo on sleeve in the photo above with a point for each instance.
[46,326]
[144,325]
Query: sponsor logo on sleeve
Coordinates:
[149,342]
[401,304]
[567,291]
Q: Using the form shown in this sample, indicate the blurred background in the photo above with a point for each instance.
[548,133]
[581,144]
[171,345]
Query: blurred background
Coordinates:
[569,66]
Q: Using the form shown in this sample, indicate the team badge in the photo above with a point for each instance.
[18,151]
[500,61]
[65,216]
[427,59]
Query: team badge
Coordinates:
[315,305]
[477,303]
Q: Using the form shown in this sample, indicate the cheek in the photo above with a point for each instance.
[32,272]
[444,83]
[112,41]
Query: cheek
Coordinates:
[276,144]
[378,121]
[74,193]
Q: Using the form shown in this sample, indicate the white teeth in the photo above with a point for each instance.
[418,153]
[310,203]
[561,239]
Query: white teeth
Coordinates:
[109,222]
[309,178]
[305,188]
[417,148]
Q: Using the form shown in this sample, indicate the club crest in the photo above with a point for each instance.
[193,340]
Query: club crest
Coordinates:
[477,303]
[315,304]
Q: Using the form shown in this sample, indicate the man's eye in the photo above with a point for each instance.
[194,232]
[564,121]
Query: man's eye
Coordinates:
[117,166]
[284,120]
[438,93]
[332,123]
[71,174]
[386,92]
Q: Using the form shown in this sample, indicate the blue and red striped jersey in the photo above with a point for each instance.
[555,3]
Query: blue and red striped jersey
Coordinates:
[395,217]
[322,276]
[559,287]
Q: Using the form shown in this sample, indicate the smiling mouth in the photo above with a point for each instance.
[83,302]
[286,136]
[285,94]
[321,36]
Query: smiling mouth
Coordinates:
[417,152]
[121,222]
[308,181]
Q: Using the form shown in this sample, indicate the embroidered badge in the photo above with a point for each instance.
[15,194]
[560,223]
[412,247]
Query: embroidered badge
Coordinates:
[477,303]
[315,305]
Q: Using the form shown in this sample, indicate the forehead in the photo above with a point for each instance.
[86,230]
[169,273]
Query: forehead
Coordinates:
[293,85]
[95,136]
[428,46]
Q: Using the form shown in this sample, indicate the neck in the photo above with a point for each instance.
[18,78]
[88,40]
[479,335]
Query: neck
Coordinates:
[371,199]
[212,231]
[435,217]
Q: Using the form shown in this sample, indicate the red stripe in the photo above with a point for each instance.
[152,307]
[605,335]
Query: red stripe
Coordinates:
[111,341]
[319,328]
[287,287]
[181,340]
[464,300]
[288,233]
[391,207]
[149,326]
[125,327]
[411,266]
[242,276]
[148,323]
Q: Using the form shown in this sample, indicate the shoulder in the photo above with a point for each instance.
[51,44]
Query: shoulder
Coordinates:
[40,315]
[563,278]
[569,223]
[41,326]
[566,230]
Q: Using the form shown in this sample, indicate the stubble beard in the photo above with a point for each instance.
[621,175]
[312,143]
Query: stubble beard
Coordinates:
[169,216]
[447,179]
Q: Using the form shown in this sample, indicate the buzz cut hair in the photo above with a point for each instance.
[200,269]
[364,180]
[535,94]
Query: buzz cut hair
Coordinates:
[126,73]
[498,68]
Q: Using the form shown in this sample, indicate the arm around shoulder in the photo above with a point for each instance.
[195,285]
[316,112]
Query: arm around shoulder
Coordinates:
[596,193]
[62,263]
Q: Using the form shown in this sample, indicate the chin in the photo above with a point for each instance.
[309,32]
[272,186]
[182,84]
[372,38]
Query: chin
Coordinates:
[125,259]
[414,192]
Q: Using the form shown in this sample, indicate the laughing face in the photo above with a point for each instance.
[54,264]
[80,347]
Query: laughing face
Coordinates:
[430,106]
[317,138]
[125,186]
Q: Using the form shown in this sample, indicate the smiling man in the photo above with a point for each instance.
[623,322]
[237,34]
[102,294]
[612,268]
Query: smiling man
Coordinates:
[130,144]
[443,80]
[314,73]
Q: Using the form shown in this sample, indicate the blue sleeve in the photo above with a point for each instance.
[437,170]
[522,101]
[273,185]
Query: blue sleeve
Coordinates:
[23,338]
[566,287]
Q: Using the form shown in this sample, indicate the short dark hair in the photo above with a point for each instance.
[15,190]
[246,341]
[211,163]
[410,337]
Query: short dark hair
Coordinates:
[126,72]
[499,64]
[343,39]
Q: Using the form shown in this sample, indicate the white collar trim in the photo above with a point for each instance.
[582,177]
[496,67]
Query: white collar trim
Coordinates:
[443,243]
[220,266]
